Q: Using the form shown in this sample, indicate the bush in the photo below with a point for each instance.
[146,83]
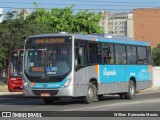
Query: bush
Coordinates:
[156,56]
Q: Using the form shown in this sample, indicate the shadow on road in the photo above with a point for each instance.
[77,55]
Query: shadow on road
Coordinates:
[20,100]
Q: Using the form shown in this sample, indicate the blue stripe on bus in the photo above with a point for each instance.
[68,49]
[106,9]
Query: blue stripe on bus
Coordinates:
[50,85]
[123,73]
[131,42]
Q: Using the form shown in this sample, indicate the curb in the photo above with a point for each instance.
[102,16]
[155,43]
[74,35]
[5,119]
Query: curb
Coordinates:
[11,93]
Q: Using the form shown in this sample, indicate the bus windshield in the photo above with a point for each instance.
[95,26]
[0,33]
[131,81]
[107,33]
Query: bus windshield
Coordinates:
[16,63]
[48,60]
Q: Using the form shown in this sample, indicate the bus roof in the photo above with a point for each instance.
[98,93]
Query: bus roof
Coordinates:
[99,38]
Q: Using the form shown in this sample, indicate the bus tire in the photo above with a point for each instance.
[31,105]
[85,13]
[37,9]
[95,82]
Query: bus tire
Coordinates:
[131,91]
[90,93]
[48,101]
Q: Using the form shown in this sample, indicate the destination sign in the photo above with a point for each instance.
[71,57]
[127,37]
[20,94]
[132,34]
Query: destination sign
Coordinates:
[37,69]
[49,40]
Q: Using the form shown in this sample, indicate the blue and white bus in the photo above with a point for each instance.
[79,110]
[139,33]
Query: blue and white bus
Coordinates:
[86,66]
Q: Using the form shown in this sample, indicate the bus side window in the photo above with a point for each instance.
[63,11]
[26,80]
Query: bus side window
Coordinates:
[80,53]
[108,54]
[120,54]
[95,53]
[142,55]
[131,55]
[80,57]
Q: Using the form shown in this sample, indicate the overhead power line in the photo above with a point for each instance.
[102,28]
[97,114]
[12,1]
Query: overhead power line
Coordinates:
[62,8]
[108,3]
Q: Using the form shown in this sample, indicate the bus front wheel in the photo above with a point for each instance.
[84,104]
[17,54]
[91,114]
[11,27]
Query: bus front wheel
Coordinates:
[90,93]
[131,91]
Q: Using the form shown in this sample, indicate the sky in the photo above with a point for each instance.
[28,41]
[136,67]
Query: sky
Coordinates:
[92,5]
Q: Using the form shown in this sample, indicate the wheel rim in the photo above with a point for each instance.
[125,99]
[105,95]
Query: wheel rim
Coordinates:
[90,93]
[132,90]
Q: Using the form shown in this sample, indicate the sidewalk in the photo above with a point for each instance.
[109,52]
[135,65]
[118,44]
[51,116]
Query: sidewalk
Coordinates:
[11,93]
[4,91]
[150,90]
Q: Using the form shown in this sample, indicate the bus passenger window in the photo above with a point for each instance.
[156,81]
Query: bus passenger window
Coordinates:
[142,55]
[131,55]
[120,54]
[80,56]
[108,54]
[95,53]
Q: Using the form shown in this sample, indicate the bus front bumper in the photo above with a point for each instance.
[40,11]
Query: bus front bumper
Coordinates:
[61,92]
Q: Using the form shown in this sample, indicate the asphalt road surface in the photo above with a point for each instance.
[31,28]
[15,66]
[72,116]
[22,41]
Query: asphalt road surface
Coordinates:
[142,102]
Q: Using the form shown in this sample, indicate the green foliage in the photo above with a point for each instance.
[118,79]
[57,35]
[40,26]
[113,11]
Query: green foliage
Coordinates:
[3,57]
[87,22]
[156,56]
[14,30]
[64,20]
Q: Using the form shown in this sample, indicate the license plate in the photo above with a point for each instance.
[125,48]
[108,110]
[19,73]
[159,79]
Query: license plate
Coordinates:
[45,94]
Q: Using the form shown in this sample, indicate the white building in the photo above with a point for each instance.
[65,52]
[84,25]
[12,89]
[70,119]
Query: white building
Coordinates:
[118,24]
[130,29]
[115,23]
[1,15]
[23,13]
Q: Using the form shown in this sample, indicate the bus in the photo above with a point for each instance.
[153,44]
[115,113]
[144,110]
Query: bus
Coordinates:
[85,66]
[15,70]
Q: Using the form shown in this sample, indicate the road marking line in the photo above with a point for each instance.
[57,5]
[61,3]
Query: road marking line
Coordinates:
[117,104]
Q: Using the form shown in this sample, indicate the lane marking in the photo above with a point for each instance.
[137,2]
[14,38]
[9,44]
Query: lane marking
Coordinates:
[117,104]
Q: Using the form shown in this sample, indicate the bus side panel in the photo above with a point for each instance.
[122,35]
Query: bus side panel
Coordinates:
[115,78]
[111,79]
[141,74]
[112,88]
[82,78]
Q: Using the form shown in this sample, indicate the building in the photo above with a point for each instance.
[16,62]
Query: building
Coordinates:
[147,25]
[103,22]
[1,15]
[130,29]
[115,23]
[23,13]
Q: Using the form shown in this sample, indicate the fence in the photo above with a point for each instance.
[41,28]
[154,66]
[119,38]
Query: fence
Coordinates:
[156,76]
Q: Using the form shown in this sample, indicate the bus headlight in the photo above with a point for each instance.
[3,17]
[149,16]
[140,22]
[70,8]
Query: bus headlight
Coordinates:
[25,84]
[66,84]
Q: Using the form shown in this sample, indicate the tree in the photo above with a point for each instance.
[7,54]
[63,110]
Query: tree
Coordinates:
[13,31]
[64,20]
[156,55]
[3,55]
[87,22]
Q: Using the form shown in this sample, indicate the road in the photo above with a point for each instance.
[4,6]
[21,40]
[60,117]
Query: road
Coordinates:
[142,102]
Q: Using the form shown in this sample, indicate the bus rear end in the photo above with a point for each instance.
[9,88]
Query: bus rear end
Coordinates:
[15,71]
